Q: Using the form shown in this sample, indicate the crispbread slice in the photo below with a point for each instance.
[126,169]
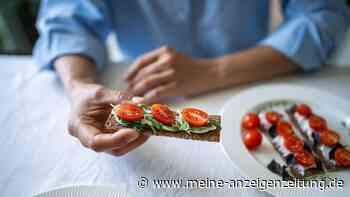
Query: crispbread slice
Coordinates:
[211,136]
[327,164]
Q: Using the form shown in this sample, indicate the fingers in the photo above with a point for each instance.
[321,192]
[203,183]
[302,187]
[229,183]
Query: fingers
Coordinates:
[145,60]
[122,151]
[104,95]
[152,81]
[92,138]
[162,64]
[159,92]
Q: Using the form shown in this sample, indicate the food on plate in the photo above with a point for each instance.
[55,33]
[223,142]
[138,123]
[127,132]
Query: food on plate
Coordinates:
[252,138]
[250,121]
[289,145]
[161,120]
[325,142]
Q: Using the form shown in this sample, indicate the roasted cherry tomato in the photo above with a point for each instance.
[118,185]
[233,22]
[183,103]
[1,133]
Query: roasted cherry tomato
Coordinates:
[250,121]
[342,157]
[273,117]
[129,112]
[293,143]
[284,129]
[195,117]
[305,158]
[329,137]
[317,123]
[303,110]
[163,114]
[252,138]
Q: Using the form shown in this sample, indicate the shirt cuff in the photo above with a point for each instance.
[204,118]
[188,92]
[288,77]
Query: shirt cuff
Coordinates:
[299,40]
[51,46]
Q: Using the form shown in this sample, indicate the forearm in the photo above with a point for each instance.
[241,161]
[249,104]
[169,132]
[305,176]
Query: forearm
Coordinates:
[259,63]
[75,70]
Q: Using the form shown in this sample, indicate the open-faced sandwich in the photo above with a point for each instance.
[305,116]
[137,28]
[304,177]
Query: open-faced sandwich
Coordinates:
[291,147]
[325,142]
[161,120]
[302,138]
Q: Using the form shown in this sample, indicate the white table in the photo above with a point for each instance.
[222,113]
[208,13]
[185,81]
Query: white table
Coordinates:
[37,153]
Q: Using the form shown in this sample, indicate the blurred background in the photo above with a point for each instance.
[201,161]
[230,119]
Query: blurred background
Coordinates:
[18,33]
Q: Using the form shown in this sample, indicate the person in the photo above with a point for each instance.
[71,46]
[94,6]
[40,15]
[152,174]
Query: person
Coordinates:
[182,48]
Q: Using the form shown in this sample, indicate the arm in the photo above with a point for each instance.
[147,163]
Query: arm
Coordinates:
[71,41]
[304,41]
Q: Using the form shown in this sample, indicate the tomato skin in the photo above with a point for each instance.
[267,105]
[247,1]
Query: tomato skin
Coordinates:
[129,112]
[163,114]
[342,157]
[284,129]
[305,158]
[195,117]
[317,123]
[293,143]
[273,117]
[303,110]
[329,137]
[251,120]
[252,138]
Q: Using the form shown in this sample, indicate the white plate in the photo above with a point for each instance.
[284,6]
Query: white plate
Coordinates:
[86,191]
[253,163]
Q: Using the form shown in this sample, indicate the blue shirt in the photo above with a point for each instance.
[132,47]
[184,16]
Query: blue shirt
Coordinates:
[200,28]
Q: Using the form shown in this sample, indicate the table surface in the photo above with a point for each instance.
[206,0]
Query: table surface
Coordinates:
[38,154]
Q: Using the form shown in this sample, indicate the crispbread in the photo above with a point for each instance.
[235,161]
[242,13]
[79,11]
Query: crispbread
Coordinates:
[211,136]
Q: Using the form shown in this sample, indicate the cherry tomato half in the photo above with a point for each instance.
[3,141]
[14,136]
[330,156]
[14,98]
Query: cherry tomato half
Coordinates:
[195,117]
[305,158]
[293,143]
[129,112]
[252,138]
[329,137]
[284,129]
[273,117]
[303,110]
[342,157]
[317,123]
[250,121]
[163,114]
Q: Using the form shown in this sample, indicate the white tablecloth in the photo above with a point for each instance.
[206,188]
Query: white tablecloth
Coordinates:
[37,153]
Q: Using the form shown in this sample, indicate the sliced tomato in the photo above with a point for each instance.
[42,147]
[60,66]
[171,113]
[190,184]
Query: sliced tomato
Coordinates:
[284,129]
[293,143]
[317,123]
[273,117]
[163,114]
[129,112]
[303,110]
[305,158]
[329,137]
[252,138]
[195,117]
[342,157]
[250,121]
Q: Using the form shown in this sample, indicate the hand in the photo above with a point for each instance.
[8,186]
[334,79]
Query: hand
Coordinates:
[90,110]
[165,73]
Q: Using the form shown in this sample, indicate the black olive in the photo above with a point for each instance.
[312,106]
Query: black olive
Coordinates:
[290,159]
[331,153]
[307,147]
[316,138]
[272,131]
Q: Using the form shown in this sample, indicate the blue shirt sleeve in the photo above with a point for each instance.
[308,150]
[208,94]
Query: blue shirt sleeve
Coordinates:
[310,31]
[72,27]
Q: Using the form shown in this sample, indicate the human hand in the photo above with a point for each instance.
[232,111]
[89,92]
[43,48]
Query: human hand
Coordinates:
[90,110]
[166,73]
